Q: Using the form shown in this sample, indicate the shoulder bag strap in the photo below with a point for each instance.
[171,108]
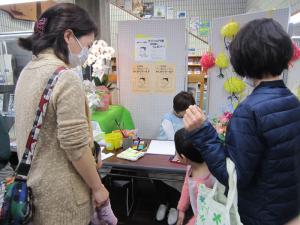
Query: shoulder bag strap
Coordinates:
[24,166]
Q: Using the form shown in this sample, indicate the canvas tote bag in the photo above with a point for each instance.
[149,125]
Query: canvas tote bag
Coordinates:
[214,207]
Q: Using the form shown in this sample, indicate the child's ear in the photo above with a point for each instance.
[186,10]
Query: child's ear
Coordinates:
[184,159]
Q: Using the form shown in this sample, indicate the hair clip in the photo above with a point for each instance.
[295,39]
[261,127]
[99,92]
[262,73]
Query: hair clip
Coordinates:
[40,25]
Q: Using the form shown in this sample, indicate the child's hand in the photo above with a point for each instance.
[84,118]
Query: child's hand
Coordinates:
[193,118]
[180,219]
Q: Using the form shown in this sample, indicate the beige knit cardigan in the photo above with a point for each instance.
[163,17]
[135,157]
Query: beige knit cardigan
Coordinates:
[61,197]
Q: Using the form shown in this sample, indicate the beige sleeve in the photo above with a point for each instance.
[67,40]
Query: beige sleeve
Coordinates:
[69,103]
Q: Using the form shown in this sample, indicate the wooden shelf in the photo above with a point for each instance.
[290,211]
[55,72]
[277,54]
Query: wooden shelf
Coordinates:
[196,78]
[194,65]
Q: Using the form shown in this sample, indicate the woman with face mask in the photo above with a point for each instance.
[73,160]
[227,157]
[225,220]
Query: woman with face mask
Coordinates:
[63,175]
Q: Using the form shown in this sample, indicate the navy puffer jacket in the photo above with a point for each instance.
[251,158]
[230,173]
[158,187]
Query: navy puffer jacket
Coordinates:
[263,140]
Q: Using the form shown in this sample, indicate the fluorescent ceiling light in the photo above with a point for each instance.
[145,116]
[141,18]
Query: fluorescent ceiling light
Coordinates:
[295,37]
[295,18]
[10,2]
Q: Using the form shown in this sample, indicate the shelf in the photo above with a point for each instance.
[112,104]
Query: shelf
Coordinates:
[194,56]
[197,74]
[194,65]
[194,78]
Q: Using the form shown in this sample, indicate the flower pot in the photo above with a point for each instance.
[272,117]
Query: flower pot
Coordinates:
[105,98]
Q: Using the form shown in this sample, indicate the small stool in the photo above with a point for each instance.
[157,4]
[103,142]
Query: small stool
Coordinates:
[129,186]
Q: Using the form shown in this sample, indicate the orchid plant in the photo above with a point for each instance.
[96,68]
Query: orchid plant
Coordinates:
[99,58]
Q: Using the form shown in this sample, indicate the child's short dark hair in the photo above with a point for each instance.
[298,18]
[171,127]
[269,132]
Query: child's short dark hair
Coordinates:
[185,147]
[260,48]
[182,101]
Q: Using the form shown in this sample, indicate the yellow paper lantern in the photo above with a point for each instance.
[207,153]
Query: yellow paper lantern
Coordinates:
[234,85]
[230,29]
[222,60]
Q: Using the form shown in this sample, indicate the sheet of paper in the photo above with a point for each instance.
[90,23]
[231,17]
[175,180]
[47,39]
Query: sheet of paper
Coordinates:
[165,75]
[140,77]
[150,49]
[105,155]
[161,147]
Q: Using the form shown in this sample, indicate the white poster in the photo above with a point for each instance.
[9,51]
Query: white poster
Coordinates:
[150,49]
[170,12]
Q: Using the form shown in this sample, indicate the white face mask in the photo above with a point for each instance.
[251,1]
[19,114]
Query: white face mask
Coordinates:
[249,82]
[78,59]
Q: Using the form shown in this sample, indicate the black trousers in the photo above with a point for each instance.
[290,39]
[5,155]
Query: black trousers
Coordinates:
[166,194]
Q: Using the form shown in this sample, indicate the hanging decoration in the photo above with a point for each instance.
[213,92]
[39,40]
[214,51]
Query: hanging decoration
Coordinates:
[235,87]
[228,31]
[207,60]
[296,54]
[222,62]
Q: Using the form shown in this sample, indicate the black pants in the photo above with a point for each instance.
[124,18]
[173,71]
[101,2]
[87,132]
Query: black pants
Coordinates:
[166,194]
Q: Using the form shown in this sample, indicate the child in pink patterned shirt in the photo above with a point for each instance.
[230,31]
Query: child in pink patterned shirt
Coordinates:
[197,173]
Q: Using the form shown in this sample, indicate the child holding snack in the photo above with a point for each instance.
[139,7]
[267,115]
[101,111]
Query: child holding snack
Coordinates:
[197,173]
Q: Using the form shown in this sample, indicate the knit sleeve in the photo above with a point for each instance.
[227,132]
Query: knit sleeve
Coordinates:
[72,123]
[184,201]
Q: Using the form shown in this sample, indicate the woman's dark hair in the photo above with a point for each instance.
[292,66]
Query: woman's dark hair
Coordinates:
[261,48]
[182,101]
[185,147]
[49,29]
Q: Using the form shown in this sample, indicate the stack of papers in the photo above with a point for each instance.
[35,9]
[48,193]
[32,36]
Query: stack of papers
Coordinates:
[131,154]
[161,147]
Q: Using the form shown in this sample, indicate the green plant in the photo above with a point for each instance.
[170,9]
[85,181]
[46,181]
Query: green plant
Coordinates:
[103,82]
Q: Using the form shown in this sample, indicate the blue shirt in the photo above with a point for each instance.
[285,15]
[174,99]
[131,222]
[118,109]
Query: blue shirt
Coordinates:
[169,125]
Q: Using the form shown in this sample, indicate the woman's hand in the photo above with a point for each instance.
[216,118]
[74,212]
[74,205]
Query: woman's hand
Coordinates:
[100,196]
[193,118]
[180,219]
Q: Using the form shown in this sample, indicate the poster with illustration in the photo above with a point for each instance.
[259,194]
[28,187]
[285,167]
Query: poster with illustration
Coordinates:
[194,24]
[140,78]
[181,14]
[137,7]
[170,12]
[150,49]
[165,76]
[148,10]
[160,11]
[204,27]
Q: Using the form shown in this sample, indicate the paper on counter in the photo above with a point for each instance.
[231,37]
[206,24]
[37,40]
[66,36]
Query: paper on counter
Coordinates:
[161,147]
[105,155]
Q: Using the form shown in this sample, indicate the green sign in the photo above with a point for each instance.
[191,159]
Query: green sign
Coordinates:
[204,27]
